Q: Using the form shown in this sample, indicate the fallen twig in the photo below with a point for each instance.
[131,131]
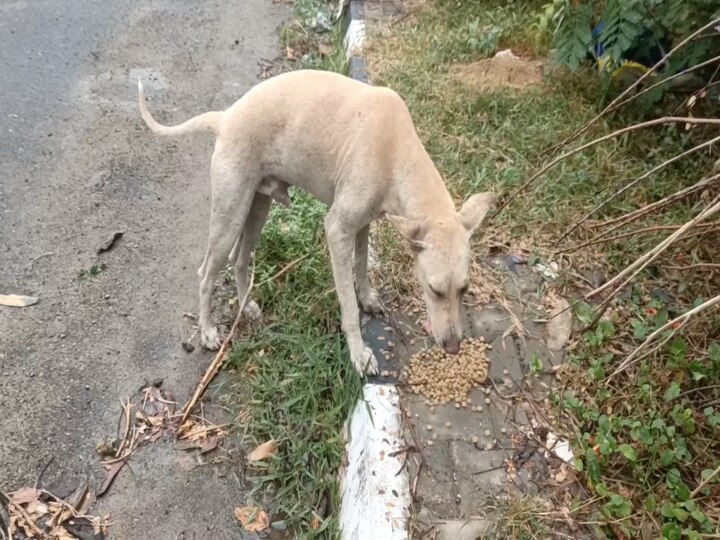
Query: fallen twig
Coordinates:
[635,268]
[614,134]
[284,270]
[704,482]
[218,361]
[635,182]
[681,319]
[601,239]
[632,216]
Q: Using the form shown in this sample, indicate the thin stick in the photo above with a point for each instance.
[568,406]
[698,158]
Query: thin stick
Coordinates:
[637,267]
[635,182]
[643,261]
[20,510]
[284,270]
[626,218]
[614,134]
[670,324]
[693,266]
[218,361]
[614,103]
[126,411]
[601,239]
[704,483]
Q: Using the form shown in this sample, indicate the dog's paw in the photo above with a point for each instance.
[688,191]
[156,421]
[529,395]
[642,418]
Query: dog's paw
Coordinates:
[210,339]
[365,363]
[370,302]
[252,311]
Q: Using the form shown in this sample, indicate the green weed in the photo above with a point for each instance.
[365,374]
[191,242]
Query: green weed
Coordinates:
[298,383]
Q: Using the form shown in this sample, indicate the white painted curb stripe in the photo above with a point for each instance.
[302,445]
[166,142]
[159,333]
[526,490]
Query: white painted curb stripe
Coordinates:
[374,486]
[375,498]
[355,37]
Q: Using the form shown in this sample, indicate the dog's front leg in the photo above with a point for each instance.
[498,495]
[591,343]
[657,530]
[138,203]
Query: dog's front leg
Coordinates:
[341,242]
[368,297]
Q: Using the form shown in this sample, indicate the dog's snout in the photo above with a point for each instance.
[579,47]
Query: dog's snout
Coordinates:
[451,342]
[452,347]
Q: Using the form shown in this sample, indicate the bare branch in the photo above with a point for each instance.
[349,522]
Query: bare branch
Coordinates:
[613,135]
[634,183]
[632,216]
[680,320]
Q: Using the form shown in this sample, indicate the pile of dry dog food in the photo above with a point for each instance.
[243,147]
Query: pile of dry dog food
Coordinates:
[441,377]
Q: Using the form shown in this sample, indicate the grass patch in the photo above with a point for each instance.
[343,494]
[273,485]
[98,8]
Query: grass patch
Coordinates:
[299,385]
[295,381]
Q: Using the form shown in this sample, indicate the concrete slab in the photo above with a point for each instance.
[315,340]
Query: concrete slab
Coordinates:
[436,488]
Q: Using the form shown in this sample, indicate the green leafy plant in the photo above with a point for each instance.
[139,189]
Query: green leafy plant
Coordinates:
[642,29]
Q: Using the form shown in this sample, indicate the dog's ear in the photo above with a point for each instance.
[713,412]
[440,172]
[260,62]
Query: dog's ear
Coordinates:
[475,209]
[413,231]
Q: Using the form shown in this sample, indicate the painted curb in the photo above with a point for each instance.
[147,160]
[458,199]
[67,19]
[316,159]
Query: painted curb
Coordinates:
[374,483]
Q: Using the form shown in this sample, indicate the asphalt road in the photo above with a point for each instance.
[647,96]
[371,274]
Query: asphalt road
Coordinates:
[77,165]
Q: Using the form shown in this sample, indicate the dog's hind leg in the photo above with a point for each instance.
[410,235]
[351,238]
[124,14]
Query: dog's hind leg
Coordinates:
[244,248]
[368,297]
[232,184]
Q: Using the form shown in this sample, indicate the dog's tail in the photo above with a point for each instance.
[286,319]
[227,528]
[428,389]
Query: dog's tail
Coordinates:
[207,122]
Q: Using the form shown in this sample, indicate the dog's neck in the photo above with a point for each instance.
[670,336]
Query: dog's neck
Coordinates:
[420,193]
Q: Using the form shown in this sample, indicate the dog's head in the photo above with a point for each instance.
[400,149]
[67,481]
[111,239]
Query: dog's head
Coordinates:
[442,264]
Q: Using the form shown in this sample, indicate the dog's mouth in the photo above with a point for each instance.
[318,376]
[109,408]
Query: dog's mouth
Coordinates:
[452,347]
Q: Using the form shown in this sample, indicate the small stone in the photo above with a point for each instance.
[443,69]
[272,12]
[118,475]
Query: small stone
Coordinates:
[188,347]
[503,430]
[448,424]
[506,372]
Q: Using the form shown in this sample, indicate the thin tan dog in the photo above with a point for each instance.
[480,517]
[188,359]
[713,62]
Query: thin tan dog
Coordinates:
[354,147]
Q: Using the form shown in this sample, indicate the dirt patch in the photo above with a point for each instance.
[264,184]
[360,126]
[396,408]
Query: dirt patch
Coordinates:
[504,70]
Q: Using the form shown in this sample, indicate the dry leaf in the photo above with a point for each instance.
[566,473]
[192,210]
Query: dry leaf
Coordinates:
[263,451]
[17,300]
[252,518]
[559,327]
[325,49]
[25,495]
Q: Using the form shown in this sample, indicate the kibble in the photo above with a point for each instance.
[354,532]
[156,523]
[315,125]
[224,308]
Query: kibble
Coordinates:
[487,433]
[443,378]
[475,439]
[448,424]
[429,442]
[429,427]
